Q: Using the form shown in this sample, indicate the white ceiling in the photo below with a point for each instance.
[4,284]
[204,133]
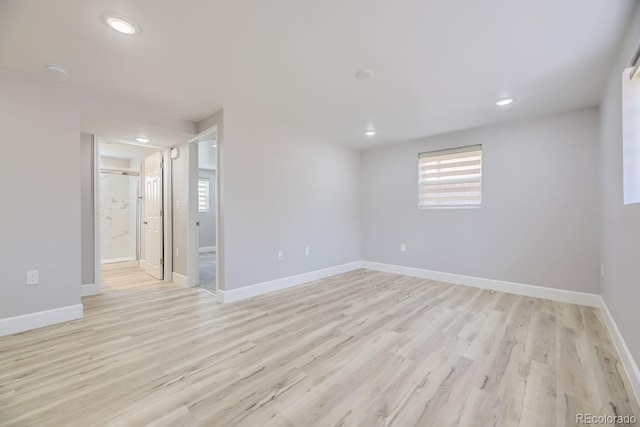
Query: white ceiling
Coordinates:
[125,130]
[438,64]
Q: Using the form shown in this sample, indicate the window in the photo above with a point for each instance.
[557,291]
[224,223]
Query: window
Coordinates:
[203,194]
[450,178]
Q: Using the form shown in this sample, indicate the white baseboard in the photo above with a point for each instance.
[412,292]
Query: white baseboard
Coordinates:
[226,297]
[179,279]
[117,260]
[90,289]
[120,264]
[591,300]
[283,283]
[561,295]
[220,296]
[26,322]
[207,249]
[628,362]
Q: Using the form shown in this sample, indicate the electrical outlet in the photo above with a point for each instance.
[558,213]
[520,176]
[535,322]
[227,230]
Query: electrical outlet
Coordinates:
[178,205]
[177,252]
[306,250]
[403,247]
[33,277]
[280,254]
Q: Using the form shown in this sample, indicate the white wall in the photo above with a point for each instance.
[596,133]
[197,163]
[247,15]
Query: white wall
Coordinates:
[113,162]
[207,220]
[538,224]
[180,188]
[40,215]
[86,197]
[620,225]
[284,190]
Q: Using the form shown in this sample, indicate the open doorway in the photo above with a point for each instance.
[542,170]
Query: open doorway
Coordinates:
[130,210]
[203,218]
[206,189]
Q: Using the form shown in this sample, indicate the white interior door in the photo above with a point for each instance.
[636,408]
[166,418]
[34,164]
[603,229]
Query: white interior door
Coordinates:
[154,245]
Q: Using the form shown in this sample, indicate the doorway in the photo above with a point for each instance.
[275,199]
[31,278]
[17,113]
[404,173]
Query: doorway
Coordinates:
[207,178]
[203,212]
[130,196]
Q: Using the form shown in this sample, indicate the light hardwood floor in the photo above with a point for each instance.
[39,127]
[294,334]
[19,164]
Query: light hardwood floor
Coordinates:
[363,348]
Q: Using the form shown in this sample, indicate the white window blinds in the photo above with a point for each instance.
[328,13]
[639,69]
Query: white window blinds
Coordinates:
[203,194]
[450,178]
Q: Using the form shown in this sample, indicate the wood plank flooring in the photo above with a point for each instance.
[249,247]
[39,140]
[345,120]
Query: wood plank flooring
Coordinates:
[363,348]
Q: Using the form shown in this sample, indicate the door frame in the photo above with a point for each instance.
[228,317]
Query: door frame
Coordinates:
[192,200]
[167,221]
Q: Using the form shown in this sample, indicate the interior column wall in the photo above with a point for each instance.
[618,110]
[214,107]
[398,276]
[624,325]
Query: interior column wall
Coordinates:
[41,214]
[87,205]
[620,225]
[282,189]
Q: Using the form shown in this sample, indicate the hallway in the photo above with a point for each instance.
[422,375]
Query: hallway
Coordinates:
[208,271]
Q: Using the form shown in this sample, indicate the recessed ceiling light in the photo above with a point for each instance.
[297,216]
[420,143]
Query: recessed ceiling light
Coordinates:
[363,74]
[57,70]
[120,24]
[369,132]
[143,140]
[504,101]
